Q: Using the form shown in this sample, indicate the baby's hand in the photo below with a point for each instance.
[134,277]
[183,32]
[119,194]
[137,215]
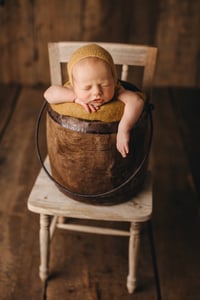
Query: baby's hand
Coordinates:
[87,106]
[123,142]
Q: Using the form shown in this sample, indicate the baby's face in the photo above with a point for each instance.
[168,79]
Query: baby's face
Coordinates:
[93,82]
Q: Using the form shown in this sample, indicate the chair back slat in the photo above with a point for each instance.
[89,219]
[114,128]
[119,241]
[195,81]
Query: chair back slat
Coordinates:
[123,54]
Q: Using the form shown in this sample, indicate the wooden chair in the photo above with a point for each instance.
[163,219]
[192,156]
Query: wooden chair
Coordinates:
[46,200]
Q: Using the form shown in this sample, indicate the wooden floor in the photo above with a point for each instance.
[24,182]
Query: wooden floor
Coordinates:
[93,267]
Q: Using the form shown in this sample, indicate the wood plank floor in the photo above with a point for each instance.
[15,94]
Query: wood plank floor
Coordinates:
[93,267]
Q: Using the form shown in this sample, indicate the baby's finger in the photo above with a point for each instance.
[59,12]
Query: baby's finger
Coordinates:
[87,108]
[122,151]
[92,108]
[126,149]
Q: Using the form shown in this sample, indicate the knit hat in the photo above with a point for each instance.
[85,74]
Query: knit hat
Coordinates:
[91,50]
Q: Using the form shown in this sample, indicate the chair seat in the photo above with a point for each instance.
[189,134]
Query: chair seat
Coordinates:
[45,198]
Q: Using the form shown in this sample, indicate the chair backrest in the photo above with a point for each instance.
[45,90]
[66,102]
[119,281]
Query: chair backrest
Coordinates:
[123,54]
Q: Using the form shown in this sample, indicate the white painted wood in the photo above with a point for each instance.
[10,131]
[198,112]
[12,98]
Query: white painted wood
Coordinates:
[44,246]
[53,226]
[45,198]
[61,220]
[54,63]
[94,229]
[124,74]
[133,256]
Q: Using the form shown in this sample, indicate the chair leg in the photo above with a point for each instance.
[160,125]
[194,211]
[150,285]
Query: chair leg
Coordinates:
[44,246]
[134,241]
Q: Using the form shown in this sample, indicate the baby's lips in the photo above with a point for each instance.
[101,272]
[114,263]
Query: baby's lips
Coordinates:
[98,101]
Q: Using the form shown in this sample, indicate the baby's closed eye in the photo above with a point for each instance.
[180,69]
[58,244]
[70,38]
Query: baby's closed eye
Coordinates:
[86,88]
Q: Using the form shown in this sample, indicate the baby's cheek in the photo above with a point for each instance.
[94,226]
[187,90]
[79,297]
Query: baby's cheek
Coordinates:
[82,96]
[85,99]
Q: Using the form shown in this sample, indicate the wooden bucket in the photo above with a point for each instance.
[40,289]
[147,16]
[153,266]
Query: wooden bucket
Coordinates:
[85,163]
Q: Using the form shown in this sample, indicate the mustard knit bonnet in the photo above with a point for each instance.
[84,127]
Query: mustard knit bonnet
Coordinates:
[91,50]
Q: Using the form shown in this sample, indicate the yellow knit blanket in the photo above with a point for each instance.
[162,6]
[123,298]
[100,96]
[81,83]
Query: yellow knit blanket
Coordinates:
[109,112]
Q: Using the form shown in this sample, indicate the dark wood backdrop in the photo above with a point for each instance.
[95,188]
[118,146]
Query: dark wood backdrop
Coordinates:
[93,266]
[171,25]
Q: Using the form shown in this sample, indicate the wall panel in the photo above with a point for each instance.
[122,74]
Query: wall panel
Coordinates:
[178,39]
[171,25]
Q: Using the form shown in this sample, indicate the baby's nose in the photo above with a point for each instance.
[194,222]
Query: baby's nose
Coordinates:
[97,91]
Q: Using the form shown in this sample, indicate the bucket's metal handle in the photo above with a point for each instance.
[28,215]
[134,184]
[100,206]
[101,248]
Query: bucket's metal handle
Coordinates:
[148,107]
